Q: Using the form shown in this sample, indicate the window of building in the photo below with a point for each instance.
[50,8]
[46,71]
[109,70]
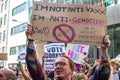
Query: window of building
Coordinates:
[0,37]
[6,4]
[117,1]
[60,1]
[86,1]
[108,3]
[30,3]
[19,9]
[95,2]
[5,19]
[114,32]
[1,20]
[4,35]
[3,49]
[16,50]
[19,28]
[1,8]
[41,0]
[77,1]
[51,1]
[117,40]
[68,1]
[54,1]
[47,1]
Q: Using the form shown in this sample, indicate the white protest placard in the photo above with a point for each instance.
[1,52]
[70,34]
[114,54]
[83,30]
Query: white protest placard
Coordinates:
[53,50]
[77,52]
[22,54]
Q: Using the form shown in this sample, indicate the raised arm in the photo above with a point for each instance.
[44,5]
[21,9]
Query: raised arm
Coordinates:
[103,70]
[24,73]
[104,54]
[33,64]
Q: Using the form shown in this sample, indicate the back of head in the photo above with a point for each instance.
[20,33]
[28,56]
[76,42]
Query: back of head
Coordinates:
[79,76]
[102,74]
[7,74]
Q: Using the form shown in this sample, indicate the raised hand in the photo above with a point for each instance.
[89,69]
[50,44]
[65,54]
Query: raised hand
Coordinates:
[29,30]
[106,41]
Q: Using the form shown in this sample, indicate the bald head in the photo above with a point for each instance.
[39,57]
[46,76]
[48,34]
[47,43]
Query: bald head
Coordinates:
[7,74]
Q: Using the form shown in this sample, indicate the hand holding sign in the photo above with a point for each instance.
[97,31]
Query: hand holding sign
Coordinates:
[29,30]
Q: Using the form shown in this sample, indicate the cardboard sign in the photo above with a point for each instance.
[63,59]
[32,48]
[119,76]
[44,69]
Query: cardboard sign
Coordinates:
[53,50]
[68,23]
[3,56]
[77,52]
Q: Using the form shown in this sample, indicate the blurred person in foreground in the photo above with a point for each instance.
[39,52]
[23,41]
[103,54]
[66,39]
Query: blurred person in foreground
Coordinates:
[7,74]
[15,71]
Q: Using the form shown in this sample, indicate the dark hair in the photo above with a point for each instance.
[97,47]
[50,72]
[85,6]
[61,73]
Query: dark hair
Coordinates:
[71,63]
[102,74]
[51,75]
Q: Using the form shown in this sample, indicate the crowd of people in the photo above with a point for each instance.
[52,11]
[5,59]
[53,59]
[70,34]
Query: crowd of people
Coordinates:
[64,67]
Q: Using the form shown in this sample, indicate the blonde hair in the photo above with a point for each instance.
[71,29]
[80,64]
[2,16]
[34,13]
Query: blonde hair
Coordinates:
[79,76]
[115,61]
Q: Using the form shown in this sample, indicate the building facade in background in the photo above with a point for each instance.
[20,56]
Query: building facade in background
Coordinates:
[4,23]
[15,15]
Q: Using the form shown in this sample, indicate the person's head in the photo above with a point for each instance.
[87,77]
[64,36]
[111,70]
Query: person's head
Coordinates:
[115,64]
[63,67]
[103,73]
[15,70]
[7,74]
[79,68]
[79,76]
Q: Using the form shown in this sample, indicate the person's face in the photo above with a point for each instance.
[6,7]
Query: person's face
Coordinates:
[62,68]
[113,65]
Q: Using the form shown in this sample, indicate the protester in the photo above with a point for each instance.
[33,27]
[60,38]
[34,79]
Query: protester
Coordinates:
[115,73]
[103,70]
[91,72]
[64,66]
[86,66]
[15,71]
[7,74]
